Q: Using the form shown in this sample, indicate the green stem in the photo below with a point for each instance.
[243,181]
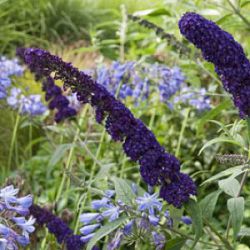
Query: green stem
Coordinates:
[191,238]
[152,119]
[83,198]
[30,140]
[237,12]
[80,208]
[122,172]
[223,240]
[12,144]
[68,166]
[184,124]
[123,30]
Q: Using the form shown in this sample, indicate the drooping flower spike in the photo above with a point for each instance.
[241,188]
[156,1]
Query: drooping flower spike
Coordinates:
[57,227]
[220,48]
[157,167]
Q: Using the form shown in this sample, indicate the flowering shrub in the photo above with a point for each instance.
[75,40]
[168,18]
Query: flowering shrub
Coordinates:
[157,166]
[150,91]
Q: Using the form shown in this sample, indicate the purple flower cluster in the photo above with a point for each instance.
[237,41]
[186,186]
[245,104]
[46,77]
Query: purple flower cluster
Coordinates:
[57,227]
[157,167]
[144,214]
[57,100]
[14,227]
[220,48]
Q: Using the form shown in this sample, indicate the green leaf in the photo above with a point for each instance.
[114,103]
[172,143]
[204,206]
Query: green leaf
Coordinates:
[244,4]
[221,139]
[223,19]
[104,171]
[212,114]
[123,191]
[59,153]
[244,232]
[233,170]
[230,186]
[194,211]
[175,244]
[208,204]
[153,12]
[175,214]
[105,230]
[236,210]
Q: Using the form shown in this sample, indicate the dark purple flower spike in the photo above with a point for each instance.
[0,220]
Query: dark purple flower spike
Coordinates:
[57,227]
[220,48]
[157,167]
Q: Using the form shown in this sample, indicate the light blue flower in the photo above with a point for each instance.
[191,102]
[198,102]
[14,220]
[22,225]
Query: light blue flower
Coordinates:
[86,238]
[11,236]
[148,202]
[13,99]
[11,205]
[4,230]
[3,244]
[86,218]
[89,229]
[116,241]
[196,98]
[153,219]
[5,82]
[167,214]
[98,204]
[9,67]
[8,195]
[128,227]
[30,105]
[159,240]
[22,240]
[25,225]
[3,93]
[25,201]
[112,212]
[186,219]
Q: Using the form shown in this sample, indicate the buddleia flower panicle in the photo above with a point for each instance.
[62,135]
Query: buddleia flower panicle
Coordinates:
[157,167]
[53,94]
[220,48]
[15,227]
[57,227]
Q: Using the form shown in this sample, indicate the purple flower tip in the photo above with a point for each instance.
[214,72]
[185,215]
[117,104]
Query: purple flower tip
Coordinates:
[220,48]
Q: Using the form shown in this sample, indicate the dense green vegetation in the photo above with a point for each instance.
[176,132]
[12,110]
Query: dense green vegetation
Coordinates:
[67,165]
